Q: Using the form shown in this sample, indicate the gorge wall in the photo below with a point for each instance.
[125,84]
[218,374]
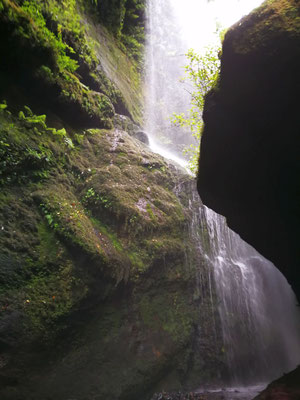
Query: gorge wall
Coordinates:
[99,275]
[249,162]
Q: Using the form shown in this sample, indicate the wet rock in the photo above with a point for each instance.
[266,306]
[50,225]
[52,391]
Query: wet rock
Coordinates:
[125,123]
[178,396]
[285,388]
[142,136]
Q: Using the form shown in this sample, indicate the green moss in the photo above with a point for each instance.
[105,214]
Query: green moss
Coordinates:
[267,21]
[27,147]
[30,25]
[165,245]
[104,229]
[150,212]
[34,11]
[137,261]
[37,276]
[66,216]
[46,32]
[127,78]
[49,245]
[46,299]
[126,20]
[93,233]
[169,312]
[92,108]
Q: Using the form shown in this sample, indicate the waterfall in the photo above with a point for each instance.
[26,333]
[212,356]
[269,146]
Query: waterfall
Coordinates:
[165,61]
[260,322]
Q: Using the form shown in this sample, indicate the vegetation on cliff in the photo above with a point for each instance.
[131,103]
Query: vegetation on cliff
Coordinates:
[97,266]
[48,47]
[92,231]
[126,19]
[202,72]
[104,293]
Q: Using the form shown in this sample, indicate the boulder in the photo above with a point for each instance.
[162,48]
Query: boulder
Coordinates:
[249,161]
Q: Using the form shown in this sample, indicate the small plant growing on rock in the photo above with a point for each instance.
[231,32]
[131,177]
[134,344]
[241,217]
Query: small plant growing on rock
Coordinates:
[202,72]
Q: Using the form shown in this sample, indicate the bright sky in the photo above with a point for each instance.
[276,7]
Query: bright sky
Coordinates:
[199,17]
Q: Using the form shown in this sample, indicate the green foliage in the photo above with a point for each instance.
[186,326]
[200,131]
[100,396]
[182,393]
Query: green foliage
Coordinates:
[38,123]
[26,146]
[203,72]
[68,141]
[92,105]
[49,216]
[60,132]
[58,36]
[35,11]
[3,105]
[78,138]
[126,19]
[20,159]
[90,196]
[134,46]
[93,199]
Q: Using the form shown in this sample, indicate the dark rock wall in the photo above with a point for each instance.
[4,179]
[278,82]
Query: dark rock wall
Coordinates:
[249,161]
[286,387]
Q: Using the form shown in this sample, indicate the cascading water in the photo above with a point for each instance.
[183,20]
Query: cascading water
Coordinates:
[165,60]
[260,320]
[257,308]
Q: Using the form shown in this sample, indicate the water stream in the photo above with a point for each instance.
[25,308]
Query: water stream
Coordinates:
[260,322]
[259,318]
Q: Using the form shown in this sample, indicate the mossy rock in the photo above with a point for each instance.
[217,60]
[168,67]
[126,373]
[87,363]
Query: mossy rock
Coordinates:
[62,58]
[268,23]
[97,269]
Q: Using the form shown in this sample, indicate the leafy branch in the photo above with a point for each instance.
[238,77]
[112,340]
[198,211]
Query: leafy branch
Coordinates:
[202,71]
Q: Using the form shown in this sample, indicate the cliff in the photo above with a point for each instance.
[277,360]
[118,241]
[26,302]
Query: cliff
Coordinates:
[98,269]
[249,162]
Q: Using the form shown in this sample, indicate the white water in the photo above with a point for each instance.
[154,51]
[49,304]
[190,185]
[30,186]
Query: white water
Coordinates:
[175,26]
[163,151]
[260,320]
[257,308]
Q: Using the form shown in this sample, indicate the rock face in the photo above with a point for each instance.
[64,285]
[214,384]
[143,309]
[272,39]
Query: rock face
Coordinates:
[284,388]
[99,273]
[98,269]
[249,161]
